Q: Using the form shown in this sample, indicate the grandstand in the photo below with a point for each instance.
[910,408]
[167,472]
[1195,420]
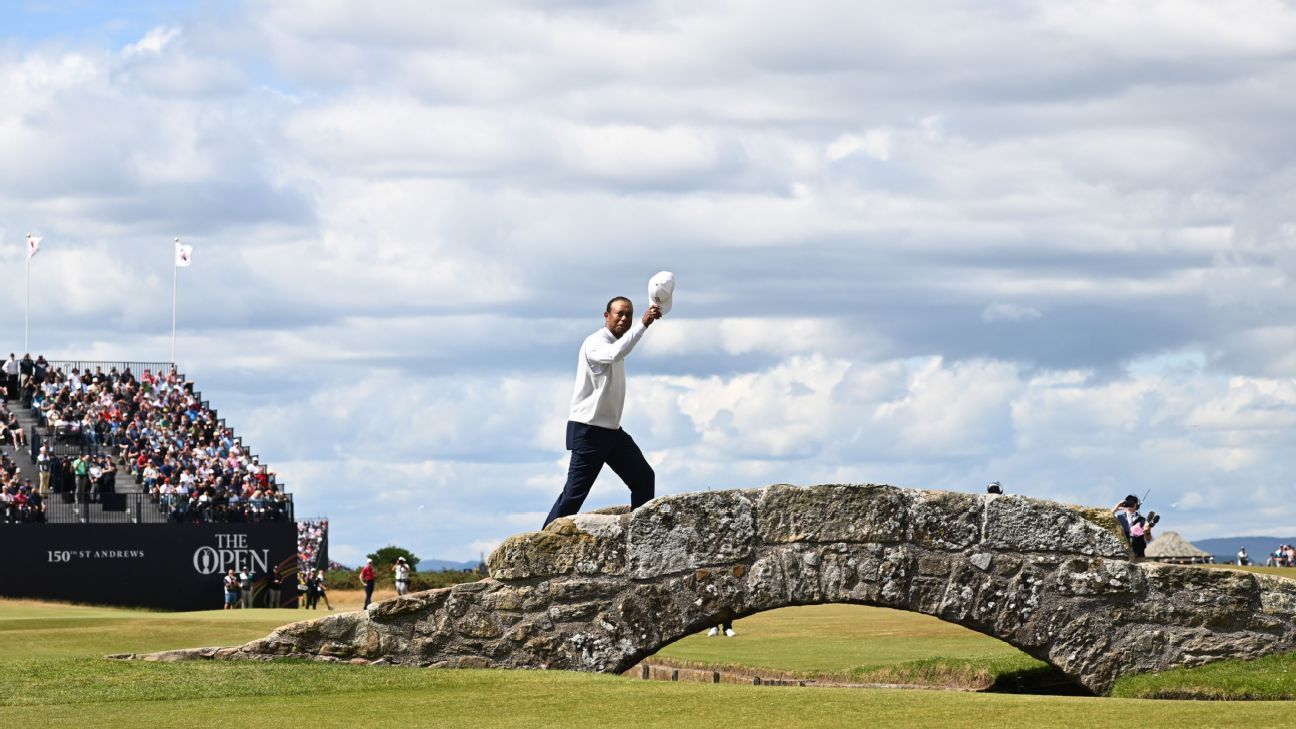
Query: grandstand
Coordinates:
[113,473]
[155,439]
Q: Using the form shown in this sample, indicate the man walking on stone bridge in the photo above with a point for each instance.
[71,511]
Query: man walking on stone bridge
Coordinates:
[594,434]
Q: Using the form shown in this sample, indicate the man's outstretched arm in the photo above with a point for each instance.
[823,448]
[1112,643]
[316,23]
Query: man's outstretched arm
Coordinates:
[619,349]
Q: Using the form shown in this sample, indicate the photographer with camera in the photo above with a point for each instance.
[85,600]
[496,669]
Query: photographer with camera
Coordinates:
[1137,529]
[231,584]
[402,573]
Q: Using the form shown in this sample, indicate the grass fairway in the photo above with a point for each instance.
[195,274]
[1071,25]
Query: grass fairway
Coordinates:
[51,658]
[1287,572]
[857,644]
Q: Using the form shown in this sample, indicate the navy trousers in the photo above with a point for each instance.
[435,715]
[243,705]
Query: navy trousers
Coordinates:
[591,447]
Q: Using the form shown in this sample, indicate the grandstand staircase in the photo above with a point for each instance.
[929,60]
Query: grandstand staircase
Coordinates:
[125,483]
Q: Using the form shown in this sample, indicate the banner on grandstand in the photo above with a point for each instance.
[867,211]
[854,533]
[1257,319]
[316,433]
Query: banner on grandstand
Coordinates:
[184,254]
[166,566]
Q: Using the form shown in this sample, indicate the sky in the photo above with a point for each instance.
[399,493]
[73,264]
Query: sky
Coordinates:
[925,244]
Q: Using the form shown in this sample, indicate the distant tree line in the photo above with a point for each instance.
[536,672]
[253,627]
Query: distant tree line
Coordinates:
[383,561]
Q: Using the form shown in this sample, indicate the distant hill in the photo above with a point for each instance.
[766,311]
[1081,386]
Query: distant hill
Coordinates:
[1225,548]
[436,565]
[424,565]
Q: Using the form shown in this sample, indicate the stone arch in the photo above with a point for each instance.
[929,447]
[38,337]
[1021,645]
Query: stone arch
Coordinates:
[600,592]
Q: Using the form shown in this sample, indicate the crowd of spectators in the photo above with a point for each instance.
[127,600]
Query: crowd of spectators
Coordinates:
[1283,556]
[162,434]
[11,431]
[312,534]
[20,500]
[85,478]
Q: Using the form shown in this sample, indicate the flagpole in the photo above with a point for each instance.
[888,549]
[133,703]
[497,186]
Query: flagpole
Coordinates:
[175,276]
[27,307]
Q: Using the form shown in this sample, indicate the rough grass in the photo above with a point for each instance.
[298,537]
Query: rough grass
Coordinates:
[55,677]
[1271,678]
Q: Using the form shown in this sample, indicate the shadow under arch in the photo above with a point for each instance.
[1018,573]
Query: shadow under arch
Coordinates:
[600,592]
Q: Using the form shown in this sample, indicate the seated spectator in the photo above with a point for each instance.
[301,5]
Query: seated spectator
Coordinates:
[20,501]
[5,438]
[8,509]
[151,475]
[107,478]
[35,507]
[16,431]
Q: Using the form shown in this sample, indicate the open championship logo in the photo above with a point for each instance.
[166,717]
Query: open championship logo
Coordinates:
[231,552]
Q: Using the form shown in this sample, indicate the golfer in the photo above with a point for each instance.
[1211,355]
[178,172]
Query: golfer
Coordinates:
[594,434]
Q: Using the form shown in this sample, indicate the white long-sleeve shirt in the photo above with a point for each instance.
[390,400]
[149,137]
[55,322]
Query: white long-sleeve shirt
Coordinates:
[599,396]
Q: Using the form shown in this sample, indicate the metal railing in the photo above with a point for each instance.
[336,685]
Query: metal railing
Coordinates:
[66,508]
[89,365]
[57,447]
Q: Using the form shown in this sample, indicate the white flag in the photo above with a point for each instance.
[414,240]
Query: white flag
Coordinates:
[184,253]
[33,245]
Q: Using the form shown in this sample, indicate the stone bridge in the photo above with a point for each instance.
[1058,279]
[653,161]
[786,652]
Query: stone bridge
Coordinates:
[600,592]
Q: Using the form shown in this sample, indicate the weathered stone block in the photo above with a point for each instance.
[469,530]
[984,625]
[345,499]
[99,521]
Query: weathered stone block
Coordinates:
[764,582]
[478,624]
[801,572]
[848,513]
[577,589]
[583,544]
[1278,594]
[933,566]
[965,582]
[464,662]
[1099,577]
[332,627]
[680,533]
[570,613]
[1200,586]
[945,519]
[1020,524]
[337,650]
[512,598]
[894,576]
[412,604]
[839,574]
[648,612]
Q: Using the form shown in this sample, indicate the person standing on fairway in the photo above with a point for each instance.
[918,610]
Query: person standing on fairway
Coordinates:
[594,434]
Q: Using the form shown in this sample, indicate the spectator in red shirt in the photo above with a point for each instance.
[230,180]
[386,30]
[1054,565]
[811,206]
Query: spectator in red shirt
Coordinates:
[367,577]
